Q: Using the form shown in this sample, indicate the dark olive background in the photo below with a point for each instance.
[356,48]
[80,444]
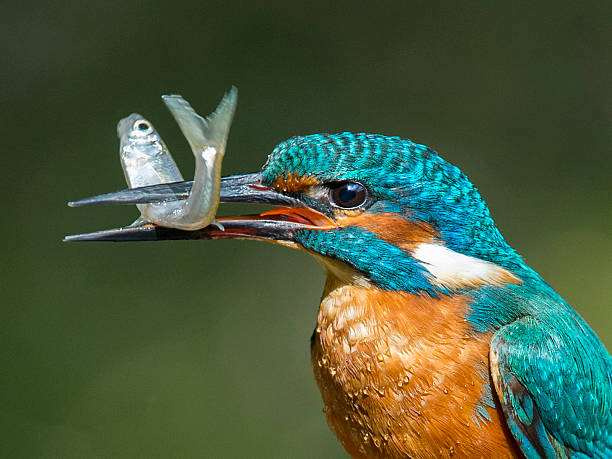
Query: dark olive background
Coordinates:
[200,349]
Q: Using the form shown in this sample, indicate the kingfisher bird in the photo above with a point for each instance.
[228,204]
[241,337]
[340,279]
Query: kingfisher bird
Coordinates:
[433,336]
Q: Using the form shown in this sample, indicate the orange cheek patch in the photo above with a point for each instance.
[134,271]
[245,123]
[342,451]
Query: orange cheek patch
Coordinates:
[294,182]
[393,229]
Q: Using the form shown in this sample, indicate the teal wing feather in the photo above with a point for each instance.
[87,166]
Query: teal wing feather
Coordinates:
[554,381]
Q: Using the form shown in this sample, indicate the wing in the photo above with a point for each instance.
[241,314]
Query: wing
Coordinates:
[554,380]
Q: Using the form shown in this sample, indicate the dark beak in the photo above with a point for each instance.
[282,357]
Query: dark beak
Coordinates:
[234,188]
[278,224]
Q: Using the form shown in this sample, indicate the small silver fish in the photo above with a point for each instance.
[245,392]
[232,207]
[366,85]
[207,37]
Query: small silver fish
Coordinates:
[148,162]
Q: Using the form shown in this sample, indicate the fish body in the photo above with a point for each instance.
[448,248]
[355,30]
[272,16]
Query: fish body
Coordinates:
[207,138]
[146,161]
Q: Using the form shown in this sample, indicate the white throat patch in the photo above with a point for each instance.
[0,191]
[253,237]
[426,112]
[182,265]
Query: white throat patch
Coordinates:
[454,270]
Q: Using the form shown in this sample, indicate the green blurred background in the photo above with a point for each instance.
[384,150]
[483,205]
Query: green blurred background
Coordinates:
[200,349]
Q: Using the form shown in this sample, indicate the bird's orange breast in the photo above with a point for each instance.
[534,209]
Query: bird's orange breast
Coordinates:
[402,375]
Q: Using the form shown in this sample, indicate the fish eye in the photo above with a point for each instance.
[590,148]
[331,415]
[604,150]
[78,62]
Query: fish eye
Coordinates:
[143,127]
[347,195]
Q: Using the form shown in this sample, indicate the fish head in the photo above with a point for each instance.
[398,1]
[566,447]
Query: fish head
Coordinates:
[144,156]
[136,129]
[139,140]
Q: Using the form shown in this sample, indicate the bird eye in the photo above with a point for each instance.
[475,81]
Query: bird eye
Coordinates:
[347,195]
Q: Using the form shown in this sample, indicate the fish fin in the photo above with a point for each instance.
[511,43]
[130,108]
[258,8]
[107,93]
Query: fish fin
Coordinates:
[201,132]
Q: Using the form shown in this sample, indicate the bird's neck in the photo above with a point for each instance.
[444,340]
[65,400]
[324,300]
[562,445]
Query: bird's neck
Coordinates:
[392,367]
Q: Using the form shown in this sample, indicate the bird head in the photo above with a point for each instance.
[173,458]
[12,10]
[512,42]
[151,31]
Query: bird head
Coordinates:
[391,209]
[372,209]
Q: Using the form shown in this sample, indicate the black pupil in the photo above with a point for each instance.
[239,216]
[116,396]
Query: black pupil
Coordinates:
[348,195]
[143,126]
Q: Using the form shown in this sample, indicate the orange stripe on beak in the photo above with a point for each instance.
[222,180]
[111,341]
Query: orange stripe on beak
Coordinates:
[303,215]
